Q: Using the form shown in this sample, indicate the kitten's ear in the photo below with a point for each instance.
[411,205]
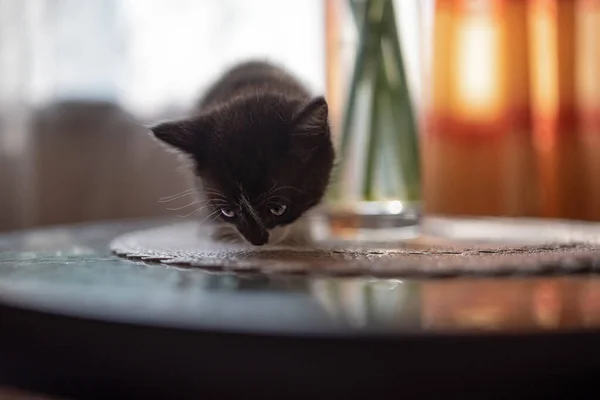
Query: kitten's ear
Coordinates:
[313,119]
[181,135]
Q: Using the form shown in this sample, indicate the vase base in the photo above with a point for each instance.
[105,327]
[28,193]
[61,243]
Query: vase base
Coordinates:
[374,221]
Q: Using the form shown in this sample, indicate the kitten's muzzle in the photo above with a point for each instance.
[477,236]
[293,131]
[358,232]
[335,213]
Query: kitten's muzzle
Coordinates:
[257,237]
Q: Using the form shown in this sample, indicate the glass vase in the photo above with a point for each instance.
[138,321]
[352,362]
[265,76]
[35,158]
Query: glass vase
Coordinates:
[376,182]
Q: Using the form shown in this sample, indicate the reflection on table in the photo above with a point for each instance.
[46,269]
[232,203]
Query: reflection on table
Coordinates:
[517,304]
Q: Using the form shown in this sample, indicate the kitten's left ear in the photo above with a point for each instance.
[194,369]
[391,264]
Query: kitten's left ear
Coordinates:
[313,119]
[181,135]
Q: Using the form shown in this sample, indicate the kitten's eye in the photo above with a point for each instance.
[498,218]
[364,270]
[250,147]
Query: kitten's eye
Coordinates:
[228,212]
[278,210]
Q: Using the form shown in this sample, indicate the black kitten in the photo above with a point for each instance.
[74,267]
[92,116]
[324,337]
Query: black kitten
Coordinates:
[261,146]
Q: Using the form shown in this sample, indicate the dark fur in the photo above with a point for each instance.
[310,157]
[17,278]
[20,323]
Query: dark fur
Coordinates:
[260,134]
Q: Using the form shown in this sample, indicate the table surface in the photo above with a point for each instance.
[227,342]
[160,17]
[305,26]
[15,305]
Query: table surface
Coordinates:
[70,270]
[79,322]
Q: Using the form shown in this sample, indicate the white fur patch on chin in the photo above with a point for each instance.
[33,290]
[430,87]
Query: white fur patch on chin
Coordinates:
[278,234]
[296,234]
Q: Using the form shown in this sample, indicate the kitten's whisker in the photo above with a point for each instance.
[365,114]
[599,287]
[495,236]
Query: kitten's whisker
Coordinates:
[176,196]
[287,187]
[214,219]
[223,199]
[181,208]
[210,215]
[209,203]
[272,187]
[219,195]
[216,202]
[215,192]
[195,211]
[219,203]
[188,205]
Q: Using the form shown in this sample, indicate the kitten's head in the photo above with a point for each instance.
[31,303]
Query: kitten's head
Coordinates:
[263,160]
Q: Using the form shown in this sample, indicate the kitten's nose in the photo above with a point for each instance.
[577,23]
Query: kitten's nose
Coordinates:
[258,238]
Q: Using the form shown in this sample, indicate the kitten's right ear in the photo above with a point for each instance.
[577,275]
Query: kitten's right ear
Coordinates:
[181,135]
[313,119]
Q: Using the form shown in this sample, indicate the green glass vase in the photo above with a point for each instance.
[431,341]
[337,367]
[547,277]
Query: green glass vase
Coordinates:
[376,182]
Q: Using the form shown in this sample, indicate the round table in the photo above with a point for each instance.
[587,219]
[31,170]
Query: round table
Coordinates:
[80,322]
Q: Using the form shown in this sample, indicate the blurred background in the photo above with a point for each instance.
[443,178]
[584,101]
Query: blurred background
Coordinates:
[77,78]
[506,96]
